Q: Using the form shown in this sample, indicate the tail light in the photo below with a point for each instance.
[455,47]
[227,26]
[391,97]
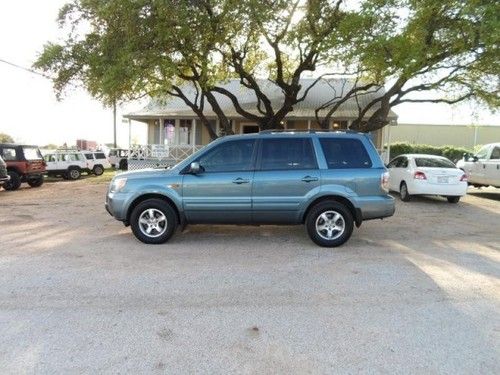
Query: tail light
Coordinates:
[464,178]
[419,176]
[384,181]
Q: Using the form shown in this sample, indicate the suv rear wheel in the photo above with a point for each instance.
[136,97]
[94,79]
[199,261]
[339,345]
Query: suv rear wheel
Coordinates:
[35,182]
[329,224]
[14,183]
[153,221]
[98,170]
[73,173]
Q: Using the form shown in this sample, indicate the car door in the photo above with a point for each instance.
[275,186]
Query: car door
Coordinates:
[221,192]
[477,171]
[492,167]
[286,173]
[393,171]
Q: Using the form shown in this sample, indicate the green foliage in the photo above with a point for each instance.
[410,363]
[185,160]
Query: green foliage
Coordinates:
[5,138]
[124,49]
[451,152]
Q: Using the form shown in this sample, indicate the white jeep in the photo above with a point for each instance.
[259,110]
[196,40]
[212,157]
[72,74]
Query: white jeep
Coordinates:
[97,162]
[69,164]
[483,168]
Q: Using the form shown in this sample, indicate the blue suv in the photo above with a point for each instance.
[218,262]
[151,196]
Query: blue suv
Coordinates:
[329,181]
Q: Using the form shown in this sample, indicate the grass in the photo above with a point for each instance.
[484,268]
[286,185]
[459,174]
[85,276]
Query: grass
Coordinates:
[91,179]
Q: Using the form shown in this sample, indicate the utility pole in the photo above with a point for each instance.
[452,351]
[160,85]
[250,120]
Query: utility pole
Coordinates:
[114,123]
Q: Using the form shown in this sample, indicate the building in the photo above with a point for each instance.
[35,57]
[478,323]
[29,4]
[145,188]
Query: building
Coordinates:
[467,136]
[172,123]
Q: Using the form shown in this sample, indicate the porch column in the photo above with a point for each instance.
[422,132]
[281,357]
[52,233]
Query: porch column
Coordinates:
[285,124]
[349,123]
[129,133]
[193,134]
[308,124]
[161,138]
[217,127]
[176,131]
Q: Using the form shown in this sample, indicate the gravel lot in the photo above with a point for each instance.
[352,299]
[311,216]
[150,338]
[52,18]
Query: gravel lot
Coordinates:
[418,292]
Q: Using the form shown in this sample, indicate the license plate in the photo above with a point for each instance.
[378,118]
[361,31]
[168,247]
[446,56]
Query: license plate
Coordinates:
[442,180]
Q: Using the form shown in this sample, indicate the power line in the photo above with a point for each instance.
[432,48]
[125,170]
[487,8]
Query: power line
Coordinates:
[25,69]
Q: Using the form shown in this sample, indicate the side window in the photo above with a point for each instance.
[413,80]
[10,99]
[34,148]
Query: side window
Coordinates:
[9,154]
[345,153]
[403,163]
[393,163]
[100,155]
[483,152]
[495,154]
[287,153]
[89,156]
[50,158]
[229,156]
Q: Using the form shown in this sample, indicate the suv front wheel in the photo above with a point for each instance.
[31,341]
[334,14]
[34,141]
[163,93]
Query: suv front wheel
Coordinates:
[329,224]
[153,221]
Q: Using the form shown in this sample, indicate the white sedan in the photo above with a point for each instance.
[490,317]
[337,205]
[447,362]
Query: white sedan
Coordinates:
[419,174]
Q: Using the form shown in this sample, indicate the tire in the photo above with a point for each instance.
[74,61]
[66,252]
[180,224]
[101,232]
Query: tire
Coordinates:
[160,211]
[329,214]
[14,183]
[35,182]
[403,192]
[123,165]
[73,173]
[98,170]
[453,199]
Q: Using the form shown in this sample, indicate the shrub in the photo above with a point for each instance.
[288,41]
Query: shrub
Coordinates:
[451,152]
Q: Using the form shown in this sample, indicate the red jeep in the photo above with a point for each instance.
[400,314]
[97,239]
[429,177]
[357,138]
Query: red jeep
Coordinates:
[24,164]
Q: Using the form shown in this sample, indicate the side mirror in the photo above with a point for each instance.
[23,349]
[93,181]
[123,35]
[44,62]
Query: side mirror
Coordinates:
[194,168]
[473,158]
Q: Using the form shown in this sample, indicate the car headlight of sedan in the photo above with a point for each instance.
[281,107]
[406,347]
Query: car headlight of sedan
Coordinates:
[118,184]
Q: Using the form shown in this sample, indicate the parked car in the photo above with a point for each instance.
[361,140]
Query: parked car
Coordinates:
[483,168]
[118,158]
[4,176]
[69,164]
[96,162]
[329,181]
[24,164]
[420,174]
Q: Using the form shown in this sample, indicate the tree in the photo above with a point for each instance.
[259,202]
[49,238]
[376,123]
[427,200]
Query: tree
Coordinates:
[124,49]
[5,138]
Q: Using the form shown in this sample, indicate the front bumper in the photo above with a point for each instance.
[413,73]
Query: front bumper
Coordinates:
[116,206]
[3,180]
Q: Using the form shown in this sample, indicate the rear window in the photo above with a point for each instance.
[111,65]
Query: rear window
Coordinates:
[434,163]
[100,155]
[345,153]
[32,153]
[289,153]
[89,156]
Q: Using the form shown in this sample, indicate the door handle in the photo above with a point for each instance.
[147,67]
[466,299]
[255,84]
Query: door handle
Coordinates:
[310,179]
[240,181]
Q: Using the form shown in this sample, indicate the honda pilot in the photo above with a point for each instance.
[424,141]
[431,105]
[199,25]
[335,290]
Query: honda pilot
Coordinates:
[328,181]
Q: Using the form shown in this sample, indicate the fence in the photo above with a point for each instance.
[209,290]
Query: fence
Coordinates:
[158,156]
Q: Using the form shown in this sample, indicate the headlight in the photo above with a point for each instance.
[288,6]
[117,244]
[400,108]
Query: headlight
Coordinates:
[118,184]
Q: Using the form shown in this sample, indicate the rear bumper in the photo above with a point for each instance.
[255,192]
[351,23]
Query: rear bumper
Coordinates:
[425,188]
[376,207]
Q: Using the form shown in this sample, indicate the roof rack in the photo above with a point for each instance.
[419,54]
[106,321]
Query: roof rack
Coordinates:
[309,131]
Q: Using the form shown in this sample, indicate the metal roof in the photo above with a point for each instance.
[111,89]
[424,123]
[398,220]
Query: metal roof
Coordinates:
[324,90]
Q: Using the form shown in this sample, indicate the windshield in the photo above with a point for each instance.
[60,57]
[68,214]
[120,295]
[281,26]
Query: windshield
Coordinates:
[32,153]
[434,163]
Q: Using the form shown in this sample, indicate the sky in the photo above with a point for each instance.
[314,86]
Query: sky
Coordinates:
[31,113]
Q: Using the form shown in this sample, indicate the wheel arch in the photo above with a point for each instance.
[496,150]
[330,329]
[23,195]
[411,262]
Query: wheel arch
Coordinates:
[356,212]
[147,196]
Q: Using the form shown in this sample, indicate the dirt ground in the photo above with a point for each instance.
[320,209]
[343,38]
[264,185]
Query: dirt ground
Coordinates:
[418,292]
